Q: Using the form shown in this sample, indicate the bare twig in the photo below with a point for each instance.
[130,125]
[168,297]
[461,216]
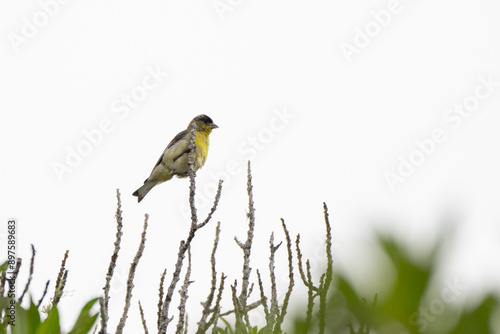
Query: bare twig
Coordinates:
[112,264]
[192,184]
[284,307]
[160,299]
[325,280]
[249,308]
[216,313]
[184,245]
[246,248]
[184,296]
[307,283]
[143,319]
[131,274]
[274,310]
[239,325]
[328,276]
[263,297]
[44,293]
[202,328]
[32,265]
[186,325]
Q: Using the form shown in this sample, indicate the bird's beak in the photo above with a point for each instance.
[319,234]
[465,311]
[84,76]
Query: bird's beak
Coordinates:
[213,126]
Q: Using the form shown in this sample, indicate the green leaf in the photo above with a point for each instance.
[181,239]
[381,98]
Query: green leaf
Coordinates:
[478,319]
[51,323]
[4,302]
[22,325]
[4,266]
[85,321]
[33,317]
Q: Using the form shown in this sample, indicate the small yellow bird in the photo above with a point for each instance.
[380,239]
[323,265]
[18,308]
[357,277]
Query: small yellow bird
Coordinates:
[174,160]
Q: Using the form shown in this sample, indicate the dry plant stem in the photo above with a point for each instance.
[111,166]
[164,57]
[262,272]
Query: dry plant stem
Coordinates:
[239,325]
[249,308]
[112,264]
[61,280]
[310,294]
[274,295]
[184,245]
[32,266]
[160,300]
[184,296]
[44,293]
[208,302]
[327,278]
[142,319]
[307,282]
[246,247]
[291,282]
[216,312]
[131,274]
[186,325]
[263,297]
[192,184]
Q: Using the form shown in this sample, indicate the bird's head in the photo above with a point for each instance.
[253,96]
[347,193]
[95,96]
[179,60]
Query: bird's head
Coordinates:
[203,123]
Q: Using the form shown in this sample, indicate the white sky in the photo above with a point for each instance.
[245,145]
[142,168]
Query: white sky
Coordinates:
[356,104]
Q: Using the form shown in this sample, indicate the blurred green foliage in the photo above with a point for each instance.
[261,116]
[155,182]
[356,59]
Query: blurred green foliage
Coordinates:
[30,320]
[411,303]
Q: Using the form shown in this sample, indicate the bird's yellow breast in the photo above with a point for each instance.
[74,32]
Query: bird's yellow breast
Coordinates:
[201,140]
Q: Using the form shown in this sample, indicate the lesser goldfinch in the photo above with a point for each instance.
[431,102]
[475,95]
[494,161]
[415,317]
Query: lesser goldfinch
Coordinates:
[174,160]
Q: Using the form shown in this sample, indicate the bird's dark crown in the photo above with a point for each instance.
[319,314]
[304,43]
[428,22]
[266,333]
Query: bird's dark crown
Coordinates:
[203,118]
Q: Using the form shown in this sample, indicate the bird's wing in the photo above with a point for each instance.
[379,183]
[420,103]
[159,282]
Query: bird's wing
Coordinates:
[176,139]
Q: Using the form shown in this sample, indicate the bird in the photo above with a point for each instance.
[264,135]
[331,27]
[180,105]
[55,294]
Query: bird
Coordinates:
[174,159]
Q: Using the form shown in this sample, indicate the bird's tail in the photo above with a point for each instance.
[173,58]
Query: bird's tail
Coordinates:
[142,191]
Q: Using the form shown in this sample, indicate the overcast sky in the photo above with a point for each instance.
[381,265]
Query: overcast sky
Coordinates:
[385,110]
